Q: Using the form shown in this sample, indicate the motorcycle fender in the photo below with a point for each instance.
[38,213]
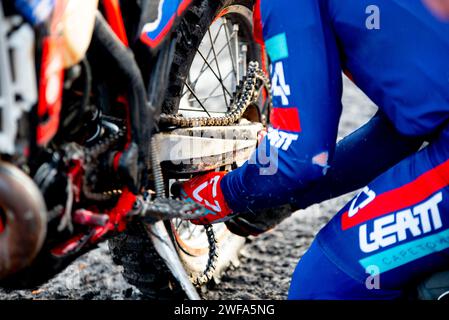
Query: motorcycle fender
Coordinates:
[77,36]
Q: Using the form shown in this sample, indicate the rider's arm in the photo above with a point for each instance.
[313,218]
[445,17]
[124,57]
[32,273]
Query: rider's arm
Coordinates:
[307,87]
[359,158]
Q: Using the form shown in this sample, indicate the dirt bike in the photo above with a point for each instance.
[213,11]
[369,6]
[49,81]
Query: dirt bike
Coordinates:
[100,118]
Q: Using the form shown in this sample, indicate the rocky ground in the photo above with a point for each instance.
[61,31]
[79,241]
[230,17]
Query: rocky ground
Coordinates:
[267,262]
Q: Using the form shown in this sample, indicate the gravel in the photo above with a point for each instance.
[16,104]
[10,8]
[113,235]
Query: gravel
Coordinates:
[266,262]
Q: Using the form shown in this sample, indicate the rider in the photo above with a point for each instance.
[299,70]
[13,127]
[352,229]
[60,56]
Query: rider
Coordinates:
[396,229]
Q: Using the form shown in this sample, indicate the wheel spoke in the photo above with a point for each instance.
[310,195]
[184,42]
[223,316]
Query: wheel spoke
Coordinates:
[219,72]
[216,76]
[188,81]
[179,224]
[204,66]
[202,93]
[210,95]
[204,99]
[196,97]
[192,231]
[228,42]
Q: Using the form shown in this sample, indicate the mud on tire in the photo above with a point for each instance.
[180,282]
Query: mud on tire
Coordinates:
[142,265]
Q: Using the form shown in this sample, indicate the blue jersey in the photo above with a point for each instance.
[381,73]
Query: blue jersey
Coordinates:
[394,50]
[397,228]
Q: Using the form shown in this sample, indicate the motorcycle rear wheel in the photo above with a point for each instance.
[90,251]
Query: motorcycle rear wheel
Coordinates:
[189,94]
[133,250]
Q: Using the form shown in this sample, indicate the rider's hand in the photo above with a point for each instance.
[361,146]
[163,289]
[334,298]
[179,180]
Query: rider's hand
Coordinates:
[206,191]
[255,223]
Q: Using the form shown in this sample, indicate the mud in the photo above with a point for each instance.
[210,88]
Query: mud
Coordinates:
[266,262]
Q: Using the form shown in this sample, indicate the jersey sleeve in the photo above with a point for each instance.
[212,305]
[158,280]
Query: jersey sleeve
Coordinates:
[306,88]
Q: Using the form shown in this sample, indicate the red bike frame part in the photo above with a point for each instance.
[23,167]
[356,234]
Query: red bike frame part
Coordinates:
[115,19]
[117,216]
[2,227]
[51,79]
[115,222]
